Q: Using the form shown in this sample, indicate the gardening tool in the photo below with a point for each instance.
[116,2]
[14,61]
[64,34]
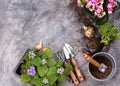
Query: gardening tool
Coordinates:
[61,56]
[101,67]
[70,54]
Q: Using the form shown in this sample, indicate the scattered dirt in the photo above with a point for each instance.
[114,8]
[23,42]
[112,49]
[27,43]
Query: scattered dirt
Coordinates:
[94,70]
[73,6]
[92,43]
[93,46]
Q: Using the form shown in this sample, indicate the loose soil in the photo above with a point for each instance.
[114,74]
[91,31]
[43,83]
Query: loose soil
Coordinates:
[94,70]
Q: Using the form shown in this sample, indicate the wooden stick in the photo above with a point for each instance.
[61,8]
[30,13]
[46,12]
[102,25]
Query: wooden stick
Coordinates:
[76,82]
[91,60]
[77,70]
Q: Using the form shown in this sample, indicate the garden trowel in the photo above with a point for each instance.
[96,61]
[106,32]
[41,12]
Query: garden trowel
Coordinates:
[70,54]
[101,67]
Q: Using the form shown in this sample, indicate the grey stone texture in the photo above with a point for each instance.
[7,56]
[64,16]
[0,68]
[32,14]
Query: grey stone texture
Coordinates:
[24,22]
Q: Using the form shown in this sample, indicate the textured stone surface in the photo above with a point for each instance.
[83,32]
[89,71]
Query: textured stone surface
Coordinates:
[24,22]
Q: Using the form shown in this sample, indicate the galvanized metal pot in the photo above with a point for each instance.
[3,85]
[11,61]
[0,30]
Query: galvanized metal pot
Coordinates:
[111,58]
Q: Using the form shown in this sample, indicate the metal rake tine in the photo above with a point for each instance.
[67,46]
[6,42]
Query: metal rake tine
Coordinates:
[63,55]
[60,56]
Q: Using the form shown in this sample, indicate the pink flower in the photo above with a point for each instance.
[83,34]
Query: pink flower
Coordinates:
[110,6]
[111,0]
[79,4]
[95,2]
[98,11]
[90,6]
[87,1]
[101,1]
[110,11]
[99,6]
[114,4]
[101,15]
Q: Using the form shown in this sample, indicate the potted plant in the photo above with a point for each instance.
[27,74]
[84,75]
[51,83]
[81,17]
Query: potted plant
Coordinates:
[99,10]
[109,61]
[40,69]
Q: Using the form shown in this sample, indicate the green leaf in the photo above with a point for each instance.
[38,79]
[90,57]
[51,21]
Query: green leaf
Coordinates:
[23,66]
[36,61]
[40,85]
[54,84]
[47,53]
[83,2]
[51,75]
[25,56]
[38,53]
[108,33]
[61,78]
[52,79]
[68,68]
[51,62]
[37,82]
[42,70]
[25,78]
[28,63]
[59,63]
[47,85]
[52,71]
[44,57]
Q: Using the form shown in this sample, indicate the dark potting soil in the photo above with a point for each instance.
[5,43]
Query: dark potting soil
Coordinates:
[94,70]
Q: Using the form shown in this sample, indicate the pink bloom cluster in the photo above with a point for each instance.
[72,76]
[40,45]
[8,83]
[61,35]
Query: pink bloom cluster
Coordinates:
[96,6]
[112,4]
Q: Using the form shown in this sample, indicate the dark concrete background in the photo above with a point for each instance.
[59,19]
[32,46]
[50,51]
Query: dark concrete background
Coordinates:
[24,22]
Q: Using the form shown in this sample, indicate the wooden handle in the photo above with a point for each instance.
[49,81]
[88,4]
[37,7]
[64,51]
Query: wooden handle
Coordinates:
[77,70]
[91,60]
[76,82]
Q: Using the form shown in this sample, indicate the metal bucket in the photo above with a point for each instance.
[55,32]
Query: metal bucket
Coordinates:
[111,58]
